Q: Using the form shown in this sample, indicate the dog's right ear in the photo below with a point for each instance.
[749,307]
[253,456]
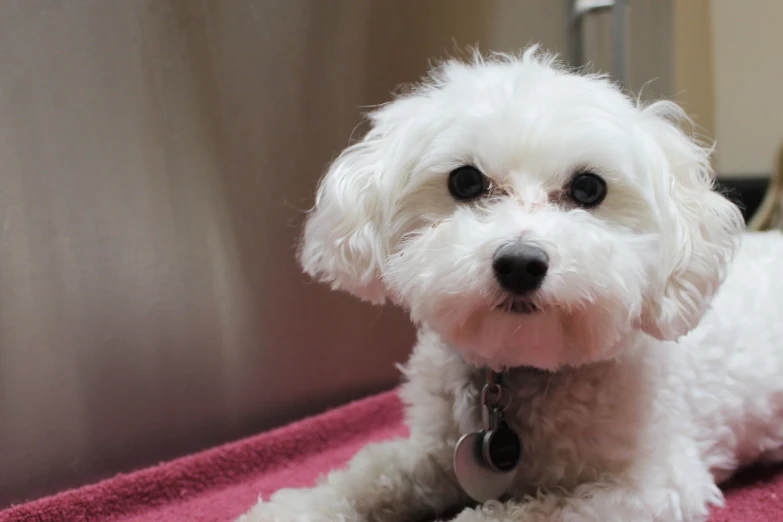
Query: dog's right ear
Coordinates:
[342,244]
[703,227]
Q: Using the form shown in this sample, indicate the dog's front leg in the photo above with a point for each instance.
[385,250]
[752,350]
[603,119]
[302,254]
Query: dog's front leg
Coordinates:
[602,503]
[390,481]
[556,508]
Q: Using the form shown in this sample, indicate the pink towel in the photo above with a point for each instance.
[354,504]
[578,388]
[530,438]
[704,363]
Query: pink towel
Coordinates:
[219,484]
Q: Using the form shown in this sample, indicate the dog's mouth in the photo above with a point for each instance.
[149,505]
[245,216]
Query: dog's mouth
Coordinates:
[518,306]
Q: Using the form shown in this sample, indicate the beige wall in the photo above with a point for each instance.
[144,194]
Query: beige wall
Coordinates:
[748,84]
[693,73]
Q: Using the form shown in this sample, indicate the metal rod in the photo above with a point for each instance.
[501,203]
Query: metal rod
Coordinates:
[618,42]
[579,9]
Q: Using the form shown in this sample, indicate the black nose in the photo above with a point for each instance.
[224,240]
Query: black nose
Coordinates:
[520,267]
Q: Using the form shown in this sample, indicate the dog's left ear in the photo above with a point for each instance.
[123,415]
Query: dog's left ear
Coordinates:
[342,243]
[701,229]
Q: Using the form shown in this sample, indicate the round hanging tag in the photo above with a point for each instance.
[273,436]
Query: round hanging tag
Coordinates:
[476,478]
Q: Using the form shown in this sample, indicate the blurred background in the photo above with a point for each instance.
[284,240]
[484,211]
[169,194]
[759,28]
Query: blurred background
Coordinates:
[156,157]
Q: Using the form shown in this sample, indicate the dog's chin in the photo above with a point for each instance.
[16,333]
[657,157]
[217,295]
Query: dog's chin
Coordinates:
[530,333]
[512,332]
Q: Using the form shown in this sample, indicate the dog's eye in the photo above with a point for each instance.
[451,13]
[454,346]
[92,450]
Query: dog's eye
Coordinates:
[587,189]
[466,183]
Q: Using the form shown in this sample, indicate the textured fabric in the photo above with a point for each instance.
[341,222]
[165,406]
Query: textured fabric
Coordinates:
[220,484]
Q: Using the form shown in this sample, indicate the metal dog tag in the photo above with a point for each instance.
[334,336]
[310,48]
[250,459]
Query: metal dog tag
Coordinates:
[484,461]
[501,448]
[476,478]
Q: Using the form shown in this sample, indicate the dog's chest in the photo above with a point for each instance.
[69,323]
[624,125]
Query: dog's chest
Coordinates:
[575,426]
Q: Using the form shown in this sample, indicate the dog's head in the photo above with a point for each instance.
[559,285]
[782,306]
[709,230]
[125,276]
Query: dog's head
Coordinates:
[528,214]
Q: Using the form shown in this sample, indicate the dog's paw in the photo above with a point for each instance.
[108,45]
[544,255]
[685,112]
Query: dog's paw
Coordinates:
[274,512]
[494,511]
[300,505]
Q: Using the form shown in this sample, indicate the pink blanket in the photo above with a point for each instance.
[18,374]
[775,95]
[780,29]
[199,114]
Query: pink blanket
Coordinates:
[220,484]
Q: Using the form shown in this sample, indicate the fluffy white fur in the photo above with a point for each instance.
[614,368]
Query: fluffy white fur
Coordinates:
[637,388]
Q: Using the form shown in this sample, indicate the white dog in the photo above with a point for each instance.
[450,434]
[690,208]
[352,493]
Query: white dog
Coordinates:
[536,221]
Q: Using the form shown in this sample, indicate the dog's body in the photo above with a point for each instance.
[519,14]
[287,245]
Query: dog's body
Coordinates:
[627,411]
